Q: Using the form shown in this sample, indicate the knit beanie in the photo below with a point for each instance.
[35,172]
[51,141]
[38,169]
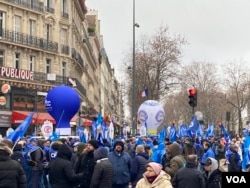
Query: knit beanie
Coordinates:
[100,153]
[120,143]
[94,143]
[155,166]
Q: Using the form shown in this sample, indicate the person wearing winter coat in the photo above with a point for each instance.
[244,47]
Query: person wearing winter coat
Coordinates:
[234,159]
[189,176]
[212,174]
[121,162]
[12,174]
[103,171]
[86,164]
[61,173]
[177,160]
[139,164]
[154,177]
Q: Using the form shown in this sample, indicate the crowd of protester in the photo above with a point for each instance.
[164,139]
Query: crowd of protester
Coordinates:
[135,162]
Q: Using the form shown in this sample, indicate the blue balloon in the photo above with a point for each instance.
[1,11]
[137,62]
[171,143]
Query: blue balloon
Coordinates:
[62,103]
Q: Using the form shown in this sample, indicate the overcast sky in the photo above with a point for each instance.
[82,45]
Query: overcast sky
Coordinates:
[218,31]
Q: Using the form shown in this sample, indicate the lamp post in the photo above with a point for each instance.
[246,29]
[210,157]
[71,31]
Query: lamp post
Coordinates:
[133,115]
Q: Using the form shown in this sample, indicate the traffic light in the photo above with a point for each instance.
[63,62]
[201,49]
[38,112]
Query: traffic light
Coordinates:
[192,97]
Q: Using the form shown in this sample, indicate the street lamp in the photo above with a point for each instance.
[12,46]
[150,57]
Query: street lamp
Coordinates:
[133,115]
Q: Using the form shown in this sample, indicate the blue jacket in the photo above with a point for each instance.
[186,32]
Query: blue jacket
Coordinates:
[208,153]
[121,167]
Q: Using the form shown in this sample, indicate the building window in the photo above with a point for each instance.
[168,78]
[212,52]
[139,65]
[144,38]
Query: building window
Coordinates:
[2,23]
[48,66]
[17,61]
[64,36]
[64,9]
[48,32]
[64,69]
[32,27]
[17,27]
[48,6]
[32,63]
[1,58]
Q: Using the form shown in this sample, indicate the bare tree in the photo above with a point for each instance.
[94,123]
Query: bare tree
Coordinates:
[204,77]
[237,80]
[157,65]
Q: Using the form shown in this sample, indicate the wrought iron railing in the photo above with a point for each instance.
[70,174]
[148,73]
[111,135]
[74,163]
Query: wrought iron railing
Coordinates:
[65,15]
[33,5]
[75,55]
[28,40]
[65,49]
[49,9]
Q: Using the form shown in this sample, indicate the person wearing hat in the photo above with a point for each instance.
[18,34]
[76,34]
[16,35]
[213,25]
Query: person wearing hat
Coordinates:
[12,173]
[207,152]
[188,147]
[121,165]
[61,172]
[103,172]
[154,177]
[86,164]
[212,174]
[189,176]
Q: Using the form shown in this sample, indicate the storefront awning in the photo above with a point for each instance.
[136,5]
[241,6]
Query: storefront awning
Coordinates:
[38,117]
[85,122]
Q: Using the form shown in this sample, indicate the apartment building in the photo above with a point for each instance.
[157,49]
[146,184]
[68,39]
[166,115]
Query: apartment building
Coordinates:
[43,43]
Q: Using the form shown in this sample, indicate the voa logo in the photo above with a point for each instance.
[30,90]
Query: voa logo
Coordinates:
[236,179]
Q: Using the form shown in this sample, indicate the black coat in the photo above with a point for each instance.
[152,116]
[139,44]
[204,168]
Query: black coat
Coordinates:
[61,173]
[103,174]
[86,165]
[189,176]
[12,174]
[214,180]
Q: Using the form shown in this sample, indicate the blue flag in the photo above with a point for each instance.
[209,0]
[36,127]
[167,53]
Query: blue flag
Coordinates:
[81,135]
[182,132]
[172,134]
[55,136]
[192,127]
[21,129]
[199,132]
[162,135]
[210,130]
[224,131]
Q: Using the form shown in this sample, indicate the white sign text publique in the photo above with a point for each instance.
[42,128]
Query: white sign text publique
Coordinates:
[10,72]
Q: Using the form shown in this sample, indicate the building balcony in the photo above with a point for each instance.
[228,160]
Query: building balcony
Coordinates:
[28,40]
[75,55]
[49,9]
[33,5]
[65,49]
[65,15]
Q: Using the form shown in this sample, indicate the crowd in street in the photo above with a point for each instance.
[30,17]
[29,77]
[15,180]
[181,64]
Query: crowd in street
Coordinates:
[134,162]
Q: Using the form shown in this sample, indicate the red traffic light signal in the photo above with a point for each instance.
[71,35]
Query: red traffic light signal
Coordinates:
[192,92]
[192,97]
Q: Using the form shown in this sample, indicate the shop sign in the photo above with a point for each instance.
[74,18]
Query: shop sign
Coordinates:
[10,72]
[2,100]
[5,88]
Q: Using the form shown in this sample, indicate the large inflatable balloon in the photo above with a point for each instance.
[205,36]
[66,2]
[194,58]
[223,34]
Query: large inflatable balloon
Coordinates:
[62,103]
[151,114]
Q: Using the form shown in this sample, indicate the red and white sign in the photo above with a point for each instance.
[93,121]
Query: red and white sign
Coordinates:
[10,72]
[5,88]
[2,100]
[47,129]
